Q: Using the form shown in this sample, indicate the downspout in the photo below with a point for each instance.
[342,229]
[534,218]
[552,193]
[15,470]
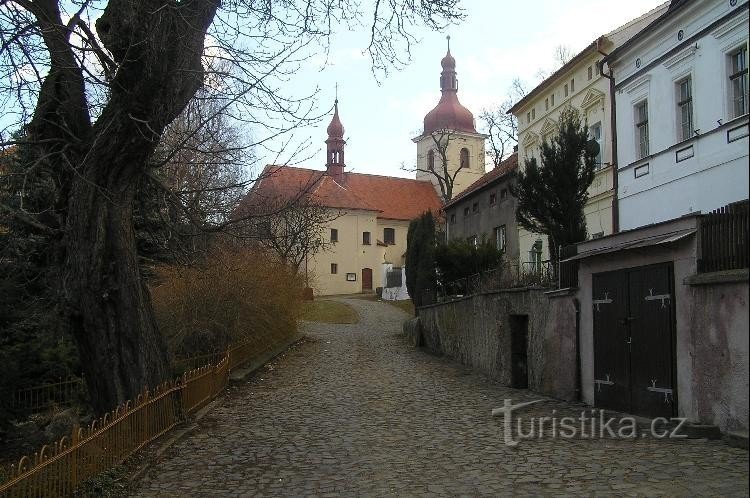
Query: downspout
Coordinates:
[579,387]
[613,127]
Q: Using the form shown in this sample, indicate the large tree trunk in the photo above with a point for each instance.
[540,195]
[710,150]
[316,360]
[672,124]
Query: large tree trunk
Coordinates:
[110,308]
[156,47]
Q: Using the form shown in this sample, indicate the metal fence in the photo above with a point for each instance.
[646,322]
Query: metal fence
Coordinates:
[58,469]
[724,238]
[37,398]
[507,276]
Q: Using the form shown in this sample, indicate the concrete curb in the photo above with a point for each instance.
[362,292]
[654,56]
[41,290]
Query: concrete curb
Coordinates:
[235,377]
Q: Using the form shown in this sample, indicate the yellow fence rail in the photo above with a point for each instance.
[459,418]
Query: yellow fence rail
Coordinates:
[58,469]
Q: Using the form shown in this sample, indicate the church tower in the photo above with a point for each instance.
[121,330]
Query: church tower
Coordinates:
[335,147]
[449,132]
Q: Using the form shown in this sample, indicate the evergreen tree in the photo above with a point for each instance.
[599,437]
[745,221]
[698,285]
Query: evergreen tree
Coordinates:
[552,195]
[420,257]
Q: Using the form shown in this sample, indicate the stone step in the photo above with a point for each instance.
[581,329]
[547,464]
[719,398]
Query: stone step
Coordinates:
[736,439]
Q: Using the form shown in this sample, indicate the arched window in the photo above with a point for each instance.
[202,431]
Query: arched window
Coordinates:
[431,159]
[465,158]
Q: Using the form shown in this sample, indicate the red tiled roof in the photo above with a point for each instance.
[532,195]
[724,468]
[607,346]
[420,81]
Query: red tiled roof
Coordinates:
[505,167]
[391,197]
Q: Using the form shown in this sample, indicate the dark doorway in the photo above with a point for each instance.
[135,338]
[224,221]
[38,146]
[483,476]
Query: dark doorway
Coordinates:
[519,341]
[366,279]
[634,367]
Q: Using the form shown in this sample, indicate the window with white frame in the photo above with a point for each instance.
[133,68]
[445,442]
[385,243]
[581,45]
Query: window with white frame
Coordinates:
[685,108]
[738,85]
[641,129]
[595,133]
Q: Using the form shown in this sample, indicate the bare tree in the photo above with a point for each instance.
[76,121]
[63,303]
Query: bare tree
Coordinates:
[502,126]
[563,54]
[94,99]
[437,165]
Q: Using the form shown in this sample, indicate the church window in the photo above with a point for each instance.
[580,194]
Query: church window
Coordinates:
[366,238]
[334,235]
[465,158]
[389,235]
[334,268]
[431,160]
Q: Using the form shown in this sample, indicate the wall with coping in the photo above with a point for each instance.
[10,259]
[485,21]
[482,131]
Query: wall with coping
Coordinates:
[475,331]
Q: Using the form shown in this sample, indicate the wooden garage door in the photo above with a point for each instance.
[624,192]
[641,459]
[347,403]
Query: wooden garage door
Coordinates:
[633,313]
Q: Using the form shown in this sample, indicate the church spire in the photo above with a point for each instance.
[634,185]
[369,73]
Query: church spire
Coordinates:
[335,146]
[448,81]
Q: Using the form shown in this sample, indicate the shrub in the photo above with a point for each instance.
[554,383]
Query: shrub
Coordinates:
[237,293]
[460,258]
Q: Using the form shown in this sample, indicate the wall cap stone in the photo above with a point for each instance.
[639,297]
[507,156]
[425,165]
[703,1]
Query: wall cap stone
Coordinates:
[567,291]
[718,277]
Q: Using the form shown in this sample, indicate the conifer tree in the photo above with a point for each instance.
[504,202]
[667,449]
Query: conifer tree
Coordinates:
[552,193]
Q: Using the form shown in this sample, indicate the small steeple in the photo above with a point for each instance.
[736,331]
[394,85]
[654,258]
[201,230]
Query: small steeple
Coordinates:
[448,81]
[335,146]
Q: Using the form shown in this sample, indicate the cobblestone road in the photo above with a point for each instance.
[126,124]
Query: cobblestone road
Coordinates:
[353,411]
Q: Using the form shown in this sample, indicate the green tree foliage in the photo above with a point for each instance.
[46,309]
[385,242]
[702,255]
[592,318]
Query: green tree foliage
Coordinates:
[460,258]
[420,257]
[552,195]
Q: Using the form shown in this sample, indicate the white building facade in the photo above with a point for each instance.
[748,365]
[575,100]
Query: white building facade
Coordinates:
[682,113]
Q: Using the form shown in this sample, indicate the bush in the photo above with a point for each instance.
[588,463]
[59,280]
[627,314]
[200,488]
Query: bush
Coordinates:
[460,259]
[237,293]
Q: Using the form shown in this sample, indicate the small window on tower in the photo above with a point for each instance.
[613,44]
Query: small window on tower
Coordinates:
[465,158]
[431,160]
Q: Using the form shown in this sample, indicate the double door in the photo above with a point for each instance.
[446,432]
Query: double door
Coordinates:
[634,369]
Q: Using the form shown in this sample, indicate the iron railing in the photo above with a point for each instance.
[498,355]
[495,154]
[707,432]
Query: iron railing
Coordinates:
[58,469]
[507,276]
[38,398]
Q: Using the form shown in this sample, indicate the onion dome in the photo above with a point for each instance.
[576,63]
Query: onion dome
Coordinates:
[449,113]
[335,129]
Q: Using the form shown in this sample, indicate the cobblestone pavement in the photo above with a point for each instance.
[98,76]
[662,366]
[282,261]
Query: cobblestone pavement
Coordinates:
[353,411]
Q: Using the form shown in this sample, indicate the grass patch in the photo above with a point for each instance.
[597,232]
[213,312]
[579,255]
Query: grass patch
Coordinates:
[324,311]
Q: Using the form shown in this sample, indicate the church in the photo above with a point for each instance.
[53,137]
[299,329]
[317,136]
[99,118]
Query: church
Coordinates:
[366,237]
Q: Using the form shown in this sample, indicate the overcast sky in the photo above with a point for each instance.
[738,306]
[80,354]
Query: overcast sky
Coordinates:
[497,42]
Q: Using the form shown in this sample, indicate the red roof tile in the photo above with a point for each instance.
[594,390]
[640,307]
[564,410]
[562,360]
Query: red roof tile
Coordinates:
[505,167]
[391,197]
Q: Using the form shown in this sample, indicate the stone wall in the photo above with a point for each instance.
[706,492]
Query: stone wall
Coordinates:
[719,331]
[476,331]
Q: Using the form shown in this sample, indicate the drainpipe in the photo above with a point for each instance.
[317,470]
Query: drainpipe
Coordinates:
[613,127]
[579,387]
